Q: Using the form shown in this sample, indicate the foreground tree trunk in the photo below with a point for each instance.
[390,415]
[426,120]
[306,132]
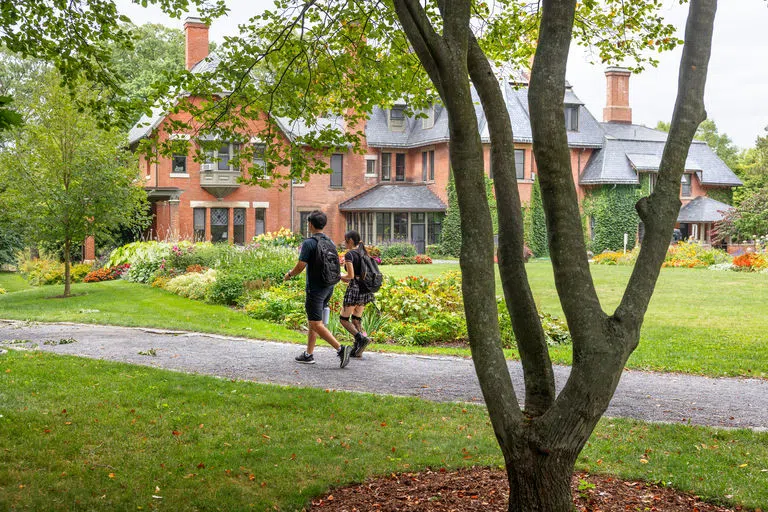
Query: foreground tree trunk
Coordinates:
[540,445]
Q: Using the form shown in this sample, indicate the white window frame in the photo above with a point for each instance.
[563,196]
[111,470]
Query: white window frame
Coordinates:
[397,124]
[212,158]
[374,159]
[429,121]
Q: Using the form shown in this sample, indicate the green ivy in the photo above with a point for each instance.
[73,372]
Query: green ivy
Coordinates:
[450,236]
[535,224]
[724,195]
[612,209]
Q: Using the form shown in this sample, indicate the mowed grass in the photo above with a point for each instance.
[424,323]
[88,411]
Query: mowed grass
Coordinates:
[699,321]
[13,282]
[79,434]
[135,305]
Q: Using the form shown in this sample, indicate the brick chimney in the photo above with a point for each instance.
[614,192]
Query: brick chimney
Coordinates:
[617,108]
[196,33]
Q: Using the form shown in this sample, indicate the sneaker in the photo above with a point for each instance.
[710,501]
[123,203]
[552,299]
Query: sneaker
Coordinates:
[343,353]
[361,341]
[305,358]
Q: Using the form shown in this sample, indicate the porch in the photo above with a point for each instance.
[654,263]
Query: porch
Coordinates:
[403,213]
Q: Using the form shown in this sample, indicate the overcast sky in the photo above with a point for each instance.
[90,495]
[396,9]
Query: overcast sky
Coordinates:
[737,86]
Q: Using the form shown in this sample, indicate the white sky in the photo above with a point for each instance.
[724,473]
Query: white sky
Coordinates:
[736,96]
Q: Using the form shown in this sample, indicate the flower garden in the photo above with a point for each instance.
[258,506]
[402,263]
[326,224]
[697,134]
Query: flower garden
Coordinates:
[413,311]
[693,255]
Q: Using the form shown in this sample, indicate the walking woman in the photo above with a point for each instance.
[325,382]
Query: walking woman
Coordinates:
[356,296]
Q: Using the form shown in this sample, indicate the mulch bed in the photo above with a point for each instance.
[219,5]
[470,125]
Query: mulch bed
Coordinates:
[486,489]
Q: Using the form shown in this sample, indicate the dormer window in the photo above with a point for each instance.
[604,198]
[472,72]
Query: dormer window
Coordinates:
[572,118]
[429,121]
[397,118]
[685,185]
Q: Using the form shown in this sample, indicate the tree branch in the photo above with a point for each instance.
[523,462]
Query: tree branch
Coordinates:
[659,211]
[537,366]
[550,145]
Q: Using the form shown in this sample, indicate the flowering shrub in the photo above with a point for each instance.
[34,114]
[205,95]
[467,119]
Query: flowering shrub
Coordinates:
[616,257]
[751,262]
[407,260]
[691,254]
[196,269]
[252,269]
[44,271]
[192,286]
[413,311]
[106,273]
[160,281]
[720,267]
[282,238]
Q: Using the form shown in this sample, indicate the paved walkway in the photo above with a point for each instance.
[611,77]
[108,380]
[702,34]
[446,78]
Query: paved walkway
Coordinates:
[646,396]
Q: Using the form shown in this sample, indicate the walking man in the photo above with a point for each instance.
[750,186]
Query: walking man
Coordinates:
[318,255]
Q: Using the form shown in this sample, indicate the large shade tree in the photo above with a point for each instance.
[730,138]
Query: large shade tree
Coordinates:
[309,58]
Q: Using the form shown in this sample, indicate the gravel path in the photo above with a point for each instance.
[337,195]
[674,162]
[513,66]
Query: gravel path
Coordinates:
[646,396]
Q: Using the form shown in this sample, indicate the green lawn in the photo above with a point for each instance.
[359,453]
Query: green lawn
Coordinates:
[80,434]
[135,305]
[699,321]
[12,282]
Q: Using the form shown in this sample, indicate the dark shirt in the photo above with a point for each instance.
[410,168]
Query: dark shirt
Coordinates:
[354,257]
[314,275]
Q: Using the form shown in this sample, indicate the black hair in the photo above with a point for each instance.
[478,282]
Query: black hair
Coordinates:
[355,237]
[318,219]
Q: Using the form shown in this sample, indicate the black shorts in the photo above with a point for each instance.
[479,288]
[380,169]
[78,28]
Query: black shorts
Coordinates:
[315,302]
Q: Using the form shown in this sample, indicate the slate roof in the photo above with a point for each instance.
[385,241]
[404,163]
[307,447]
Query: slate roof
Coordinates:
[388,197]
[378,134]
[628,149]
[299,128]
[703,209]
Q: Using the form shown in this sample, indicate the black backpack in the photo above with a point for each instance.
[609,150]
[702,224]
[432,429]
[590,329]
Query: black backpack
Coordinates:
[327,260]
[370,275]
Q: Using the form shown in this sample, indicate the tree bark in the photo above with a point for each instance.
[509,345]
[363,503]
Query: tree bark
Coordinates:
[540,450]
[67,269]
[537,366]
[445,60]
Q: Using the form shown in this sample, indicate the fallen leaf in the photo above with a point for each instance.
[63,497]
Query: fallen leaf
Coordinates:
[111,475]
[265,436]
[201,466]
[176,433]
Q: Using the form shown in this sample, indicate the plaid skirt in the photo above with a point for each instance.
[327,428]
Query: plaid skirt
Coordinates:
[354,296]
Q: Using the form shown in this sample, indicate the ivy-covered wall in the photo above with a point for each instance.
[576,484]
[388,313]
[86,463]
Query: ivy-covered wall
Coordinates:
[724,195]
[612,209]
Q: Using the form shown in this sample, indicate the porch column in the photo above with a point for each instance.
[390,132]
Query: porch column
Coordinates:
[173,218]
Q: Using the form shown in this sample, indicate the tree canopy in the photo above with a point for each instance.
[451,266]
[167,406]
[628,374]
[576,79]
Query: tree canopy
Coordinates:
[64,178]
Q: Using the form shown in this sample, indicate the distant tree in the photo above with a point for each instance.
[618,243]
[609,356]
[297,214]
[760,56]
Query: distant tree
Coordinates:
[720,143]
[79,37]
[753,170]
[66,178]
